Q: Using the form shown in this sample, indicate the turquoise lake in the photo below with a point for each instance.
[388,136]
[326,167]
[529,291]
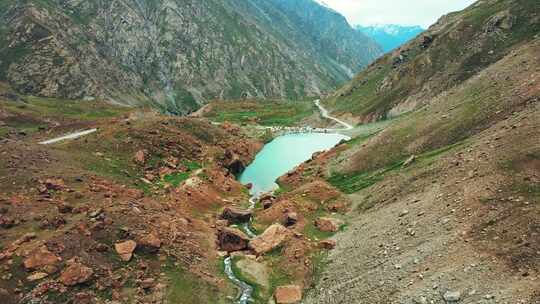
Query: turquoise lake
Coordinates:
[283,154]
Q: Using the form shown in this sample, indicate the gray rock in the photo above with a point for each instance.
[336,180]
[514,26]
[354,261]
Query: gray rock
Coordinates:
[452,296]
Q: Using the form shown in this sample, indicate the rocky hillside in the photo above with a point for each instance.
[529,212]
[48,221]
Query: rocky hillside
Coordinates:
[457,47]
[177,54]
[445,198]
[390,36]
[125,214]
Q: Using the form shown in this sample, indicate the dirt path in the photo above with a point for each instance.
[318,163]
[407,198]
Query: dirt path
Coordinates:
[68,136]
[324,113]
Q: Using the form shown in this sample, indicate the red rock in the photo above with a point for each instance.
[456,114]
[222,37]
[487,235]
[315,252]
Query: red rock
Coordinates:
[288,294]
[231,239]
[40,258]
[76,273]
[272,237]
[125,249]
[327,224]
[150,242]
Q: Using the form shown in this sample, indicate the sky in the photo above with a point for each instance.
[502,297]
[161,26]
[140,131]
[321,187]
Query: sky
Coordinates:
[403,12]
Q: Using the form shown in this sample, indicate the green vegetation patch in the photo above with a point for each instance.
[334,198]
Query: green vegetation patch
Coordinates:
[176,178]
[356,181]
[268,113]
[40,107]
[186,288]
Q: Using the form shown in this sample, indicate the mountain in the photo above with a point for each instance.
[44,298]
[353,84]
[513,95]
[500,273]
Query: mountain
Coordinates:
[176,54]
[390,36]
[443,177]
[456,48]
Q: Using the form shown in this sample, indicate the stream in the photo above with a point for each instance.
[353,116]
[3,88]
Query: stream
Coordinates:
[277,158]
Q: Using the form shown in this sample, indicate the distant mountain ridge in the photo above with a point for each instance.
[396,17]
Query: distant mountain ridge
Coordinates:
[177,54]
[390,36]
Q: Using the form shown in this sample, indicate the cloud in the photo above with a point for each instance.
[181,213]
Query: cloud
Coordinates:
[404,12]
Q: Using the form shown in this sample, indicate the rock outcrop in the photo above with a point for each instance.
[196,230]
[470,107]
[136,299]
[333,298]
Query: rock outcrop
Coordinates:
[232,239]
[271,238]
[236,215]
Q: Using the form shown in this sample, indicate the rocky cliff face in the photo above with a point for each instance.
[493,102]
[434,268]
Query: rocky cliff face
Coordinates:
[176,54]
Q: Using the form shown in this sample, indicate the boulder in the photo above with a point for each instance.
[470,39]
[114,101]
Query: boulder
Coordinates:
[150,242]
[55,184]
[234,163]
[236,215]
[267,200]
[327,224]
[288,294]
[125,249]
[140,157]
[272,237]
[40,258]
[291,218]
[231,239]
[76,273]
[267,204]
[452,296]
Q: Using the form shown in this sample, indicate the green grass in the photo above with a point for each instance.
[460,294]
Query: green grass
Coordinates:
[40,107]
[266,113]
[192,166]
[186,288]
[176,178]
[356,181]
[319,262]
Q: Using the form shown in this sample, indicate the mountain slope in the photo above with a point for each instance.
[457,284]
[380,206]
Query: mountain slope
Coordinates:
[171,53]
[390,36]
[457,47]
[445,200]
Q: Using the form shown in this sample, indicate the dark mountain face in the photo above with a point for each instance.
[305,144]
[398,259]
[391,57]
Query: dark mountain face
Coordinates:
[390,36]
[177,54]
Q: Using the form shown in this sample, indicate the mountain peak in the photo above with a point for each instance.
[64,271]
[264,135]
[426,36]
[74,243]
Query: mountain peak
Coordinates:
[390,36]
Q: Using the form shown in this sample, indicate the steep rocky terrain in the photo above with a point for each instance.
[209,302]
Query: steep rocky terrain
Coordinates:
[177,54]
[125,214]
[451,51]
[446,199]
